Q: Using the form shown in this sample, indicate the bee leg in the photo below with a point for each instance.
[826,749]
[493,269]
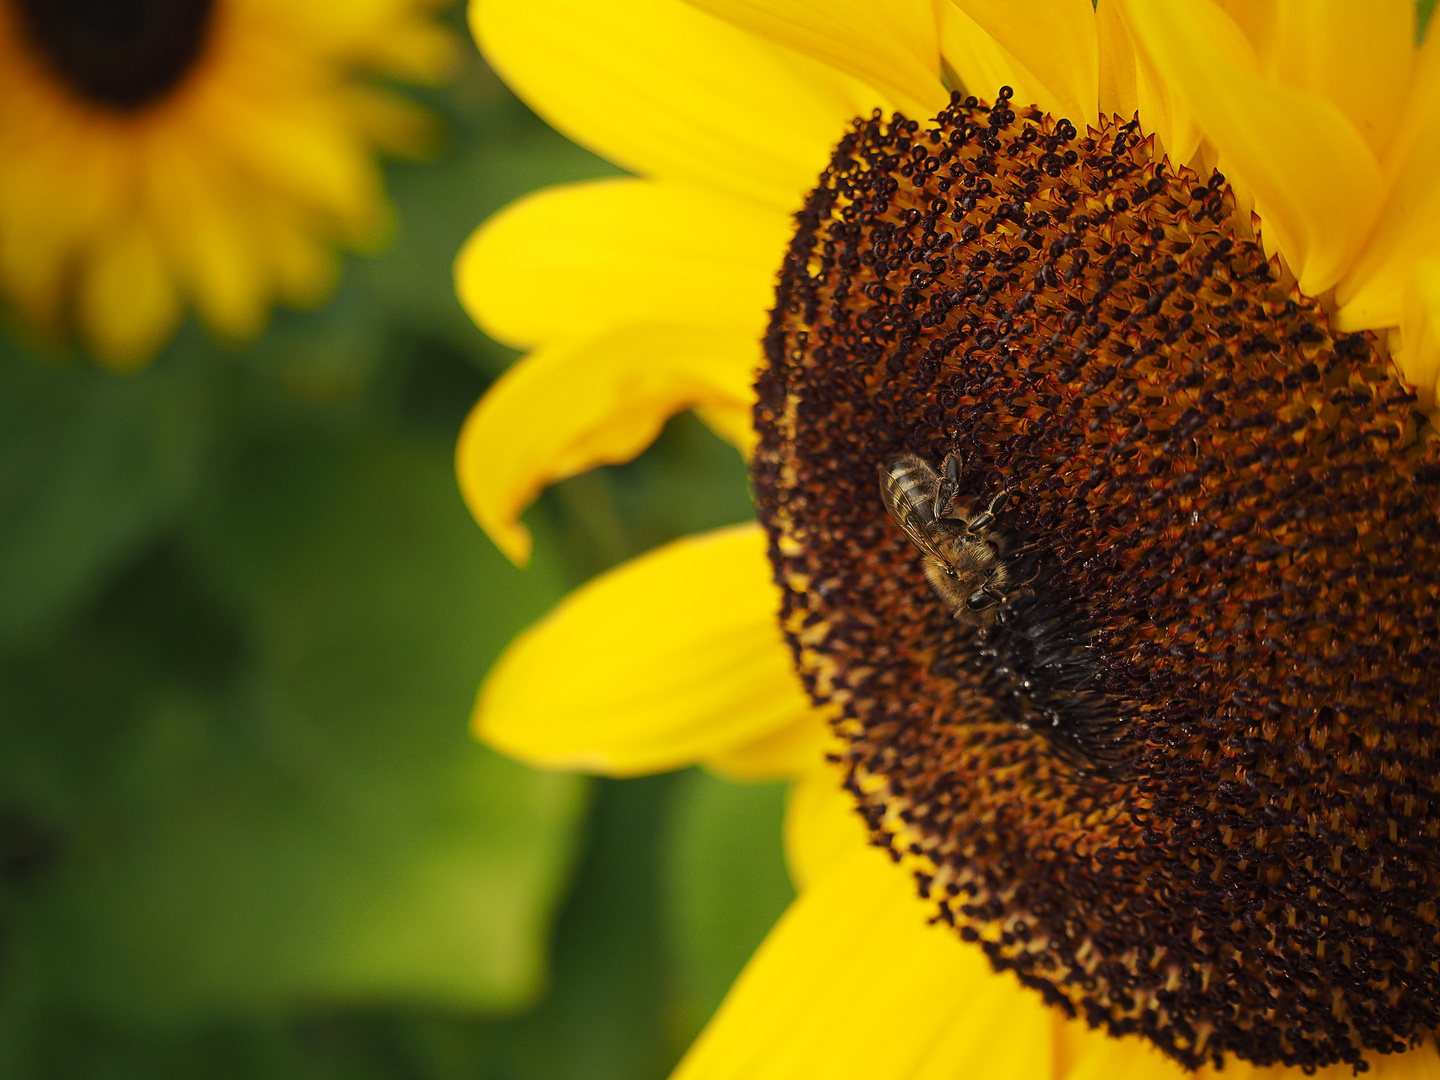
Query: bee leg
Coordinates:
[948,486]
[982,521]
[983,598]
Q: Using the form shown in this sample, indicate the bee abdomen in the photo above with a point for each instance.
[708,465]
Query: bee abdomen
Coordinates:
[916,481]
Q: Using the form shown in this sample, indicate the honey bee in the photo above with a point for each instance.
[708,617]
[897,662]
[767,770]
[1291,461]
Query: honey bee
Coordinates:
[965,561]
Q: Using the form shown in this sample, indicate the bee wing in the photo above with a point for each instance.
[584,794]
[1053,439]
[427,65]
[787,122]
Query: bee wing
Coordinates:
[905,514]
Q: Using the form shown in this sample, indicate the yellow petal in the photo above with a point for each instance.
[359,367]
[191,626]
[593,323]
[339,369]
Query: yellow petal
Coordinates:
[573,405]
[1117,63]
[1084,1053]
[1420,329]
[1129,84]
[574,260]
[794,750]
[822,825]
[735,423]
[1055,40]
[208,240]
[982,65]
[673,658]
[126,302]
[853,984]
[1317,185]
[894,47]
[668,91]
[1357,56]
[1409,227]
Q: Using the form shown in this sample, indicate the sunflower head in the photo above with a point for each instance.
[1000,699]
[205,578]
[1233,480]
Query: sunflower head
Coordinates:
[162,155]
[1181,781]
[117,53]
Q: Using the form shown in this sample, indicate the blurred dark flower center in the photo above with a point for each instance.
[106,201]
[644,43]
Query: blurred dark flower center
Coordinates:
[123,54]
[1180,778]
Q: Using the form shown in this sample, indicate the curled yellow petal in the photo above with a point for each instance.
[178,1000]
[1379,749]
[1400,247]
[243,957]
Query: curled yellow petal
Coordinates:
[669,91]
[573,405]
[894,47]
[573,260]
[673,658]
[1055,40]
[854,984]
[1317,185]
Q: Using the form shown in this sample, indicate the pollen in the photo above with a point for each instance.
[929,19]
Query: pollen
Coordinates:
[1184,785]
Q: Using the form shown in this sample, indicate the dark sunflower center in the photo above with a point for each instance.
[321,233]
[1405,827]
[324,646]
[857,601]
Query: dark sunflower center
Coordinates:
[1121,567]
[123,54]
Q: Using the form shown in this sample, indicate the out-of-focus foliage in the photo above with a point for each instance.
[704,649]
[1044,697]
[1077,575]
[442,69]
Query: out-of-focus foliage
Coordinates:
[244,832]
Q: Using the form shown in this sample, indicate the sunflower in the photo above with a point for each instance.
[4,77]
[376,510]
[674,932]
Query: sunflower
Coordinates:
[159,151]
[1082,357]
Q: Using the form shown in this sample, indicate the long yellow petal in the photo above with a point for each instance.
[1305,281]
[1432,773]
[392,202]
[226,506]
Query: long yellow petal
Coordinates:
[1420,329]
[822,826]
[574,260]
[1117,63]
[1055,40]
[1356,56]
[784,754]
[1129,84]
[672,658]
[668,91]
[983,65]
[1317,185]
[853,984]
[893,46]
[1409,227]
[573,405]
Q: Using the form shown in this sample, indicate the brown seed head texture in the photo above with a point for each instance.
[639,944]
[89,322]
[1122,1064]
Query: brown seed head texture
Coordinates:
[1190,791]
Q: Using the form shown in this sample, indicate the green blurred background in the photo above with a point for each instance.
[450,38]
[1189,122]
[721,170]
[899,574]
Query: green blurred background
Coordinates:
[243,615]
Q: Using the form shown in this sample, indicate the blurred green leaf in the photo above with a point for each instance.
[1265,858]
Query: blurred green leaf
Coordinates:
[90,465]
[323,830]
[725,885]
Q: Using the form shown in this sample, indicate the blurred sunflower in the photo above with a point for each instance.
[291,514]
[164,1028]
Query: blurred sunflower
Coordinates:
[159,151]
[1154,301]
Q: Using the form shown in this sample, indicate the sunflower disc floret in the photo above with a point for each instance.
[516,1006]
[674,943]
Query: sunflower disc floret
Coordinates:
[1184,785]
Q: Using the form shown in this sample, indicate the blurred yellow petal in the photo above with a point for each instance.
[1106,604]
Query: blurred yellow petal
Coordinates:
[1409,227]
[575,260]
[395,125]
[208,239]
[1316,184]
[1356,56]
[127,303]
[573,405]
[794,750]
[822,825]
[305,269]
[1420,328]
[894,47]
[734,422]
[1054,40]
[668,91]
[1082,1053]
[673,658]
[852,984]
